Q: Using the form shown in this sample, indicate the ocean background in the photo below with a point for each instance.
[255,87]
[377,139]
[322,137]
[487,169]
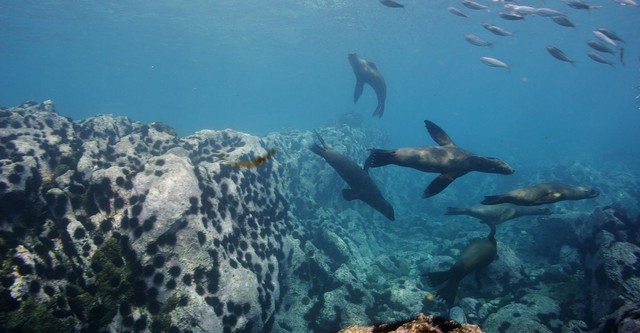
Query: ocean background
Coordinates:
[273,66]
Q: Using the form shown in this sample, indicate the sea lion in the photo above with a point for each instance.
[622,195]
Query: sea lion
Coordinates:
[447,159]
[477,255]
[497,214]
[361,185]
[541,194]
[391,4]
[367,72]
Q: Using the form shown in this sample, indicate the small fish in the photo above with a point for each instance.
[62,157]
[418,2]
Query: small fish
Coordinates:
[510,16]
[256,162]
[429,298]
[622,56]
[599,46]
[391,4]
[601,36]
[493,62]
[579,4]
[610,34]
[520,10]
[599,58]
[456,11]
[477,41]
[558,54]
[497,30]
[548,12]
[473,5]
[627,3]
[563,21]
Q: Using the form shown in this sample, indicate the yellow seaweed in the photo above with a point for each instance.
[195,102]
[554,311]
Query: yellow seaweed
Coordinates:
[254,163]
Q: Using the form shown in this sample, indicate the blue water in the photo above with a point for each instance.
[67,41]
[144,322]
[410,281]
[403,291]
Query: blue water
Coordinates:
[261,66]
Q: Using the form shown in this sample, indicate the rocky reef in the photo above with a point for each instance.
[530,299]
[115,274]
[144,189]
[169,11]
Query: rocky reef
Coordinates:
[107,224]
[421,324]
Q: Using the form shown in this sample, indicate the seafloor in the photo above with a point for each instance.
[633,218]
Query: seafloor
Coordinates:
[107,224]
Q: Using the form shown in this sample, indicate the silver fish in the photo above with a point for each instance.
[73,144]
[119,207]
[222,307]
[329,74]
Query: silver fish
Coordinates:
[627,3]
[497,30]
[610,34]
[510,16]
[605,39]
[579,4]
[563,21]
[599,58]
[477,41]
[520,10]
[548,12]
[598,46]
[558,54]
[473,5]
[493,62]
[456,11]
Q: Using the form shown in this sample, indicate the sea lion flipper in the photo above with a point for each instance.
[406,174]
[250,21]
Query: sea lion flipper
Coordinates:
[357,92]
[349,194]
[478,280]
[438,134]
[322,143]
[379,110]
[492,200]
[440,183]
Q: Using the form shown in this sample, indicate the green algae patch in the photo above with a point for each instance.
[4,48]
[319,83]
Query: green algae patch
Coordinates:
[113,281]
[35,317]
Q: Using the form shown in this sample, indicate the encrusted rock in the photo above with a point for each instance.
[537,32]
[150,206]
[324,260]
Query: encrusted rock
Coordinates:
[421,324]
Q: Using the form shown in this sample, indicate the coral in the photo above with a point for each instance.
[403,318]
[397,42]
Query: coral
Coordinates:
[421,324]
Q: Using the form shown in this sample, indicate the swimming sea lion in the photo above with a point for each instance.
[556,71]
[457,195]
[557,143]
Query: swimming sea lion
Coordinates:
[447,159]
[497,214]
[477,255]
[367,72]
[362,186]
[391,4]
[541,194]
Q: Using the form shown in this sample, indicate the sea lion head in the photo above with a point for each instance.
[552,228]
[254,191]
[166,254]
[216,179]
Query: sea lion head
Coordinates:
[494,165]
[353,59]
[587,192]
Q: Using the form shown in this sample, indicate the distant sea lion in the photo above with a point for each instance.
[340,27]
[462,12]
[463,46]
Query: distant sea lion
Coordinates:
[362,186]
[447,159]
[541,194]
[496,214]
[391,4]
[367,72]
[477,255]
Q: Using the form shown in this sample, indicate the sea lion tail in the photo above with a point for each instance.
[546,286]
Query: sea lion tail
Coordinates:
[446,284]
[378,111]
[378,158]
[315,148]
[455,211]
[492,200]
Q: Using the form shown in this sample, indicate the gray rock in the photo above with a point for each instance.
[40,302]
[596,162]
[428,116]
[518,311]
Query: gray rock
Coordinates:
[625,320]
[196,242]
[456,313]
[533,312]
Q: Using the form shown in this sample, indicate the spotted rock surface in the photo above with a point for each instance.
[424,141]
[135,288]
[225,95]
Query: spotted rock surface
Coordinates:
[108,224]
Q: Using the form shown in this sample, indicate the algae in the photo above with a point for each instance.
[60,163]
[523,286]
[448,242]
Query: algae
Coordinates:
[35,317]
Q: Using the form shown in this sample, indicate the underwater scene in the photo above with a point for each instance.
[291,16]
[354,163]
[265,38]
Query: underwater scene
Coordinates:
[320,166]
